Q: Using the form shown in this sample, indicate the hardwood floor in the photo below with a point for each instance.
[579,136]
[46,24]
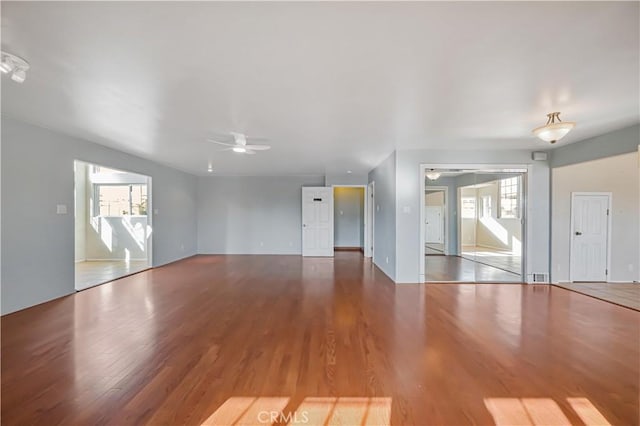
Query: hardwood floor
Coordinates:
[455,268]
[501,259]
[624,294]
[229,339]
[91,273]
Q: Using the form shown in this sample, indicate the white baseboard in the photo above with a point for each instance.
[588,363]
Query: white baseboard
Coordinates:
[493,247]
[115,260]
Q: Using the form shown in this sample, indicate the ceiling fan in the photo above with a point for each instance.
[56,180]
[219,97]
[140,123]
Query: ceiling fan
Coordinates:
[237,142]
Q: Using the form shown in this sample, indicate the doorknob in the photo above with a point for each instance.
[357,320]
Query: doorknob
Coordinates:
[304,225]
[578,233]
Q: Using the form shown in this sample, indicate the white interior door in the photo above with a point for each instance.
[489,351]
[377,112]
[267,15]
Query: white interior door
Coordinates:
[317,221]
[434,221]
[589,237]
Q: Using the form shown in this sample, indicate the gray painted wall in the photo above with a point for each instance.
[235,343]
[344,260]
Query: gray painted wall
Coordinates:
[346,179]
[384,250]
[251,215]
[613,143]
[40,161]
[409,199]
[348,208]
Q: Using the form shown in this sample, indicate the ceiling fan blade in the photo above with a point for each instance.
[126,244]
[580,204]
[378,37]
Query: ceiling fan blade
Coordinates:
[249,152]
[221,143]
[258,147]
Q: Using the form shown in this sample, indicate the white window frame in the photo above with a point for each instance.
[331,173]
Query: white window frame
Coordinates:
[95,212]
[518,185]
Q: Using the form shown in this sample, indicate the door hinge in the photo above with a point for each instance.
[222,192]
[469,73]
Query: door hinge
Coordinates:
[606,272]
[607,212]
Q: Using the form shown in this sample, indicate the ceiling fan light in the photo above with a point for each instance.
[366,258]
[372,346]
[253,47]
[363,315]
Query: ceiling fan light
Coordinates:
[6,65]
[554,131]
[19,75]
[433,175]
[239,149]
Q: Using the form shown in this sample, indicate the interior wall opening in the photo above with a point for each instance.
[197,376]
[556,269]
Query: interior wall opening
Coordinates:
[113,229]
[349,218]
[473,224]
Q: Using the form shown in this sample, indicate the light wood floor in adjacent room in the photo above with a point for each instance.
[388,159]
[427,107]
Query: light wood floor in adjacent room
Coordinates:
[502,259]
[625,294]
[455,268]
[91,273]
[226,339]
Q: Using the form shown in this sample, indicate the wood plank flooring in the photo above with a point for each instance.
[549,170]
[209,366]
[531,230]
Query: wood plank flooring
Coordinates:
[502,259]
[455,268]
[625,294]
[235,339]
[91,273]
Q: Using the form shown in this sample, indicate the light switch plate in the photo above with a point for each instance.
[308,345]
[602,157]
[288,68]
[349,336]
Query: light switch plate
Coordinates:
[61,209]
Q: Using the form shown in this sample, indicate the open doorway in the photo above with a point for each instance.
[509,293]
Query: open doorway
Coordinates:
[477,234]
[349,204]
[435,233]
[112,224]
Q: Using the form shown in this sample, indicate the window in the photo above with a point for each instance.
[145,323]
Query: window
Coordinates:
[468,208]
[120,200]
[486,206]
[510,198]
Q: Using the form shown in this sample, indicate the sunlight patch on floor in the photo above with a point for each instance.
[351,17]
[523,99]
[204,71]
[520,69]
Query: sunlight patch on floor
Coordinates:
[541,412]
[312,411]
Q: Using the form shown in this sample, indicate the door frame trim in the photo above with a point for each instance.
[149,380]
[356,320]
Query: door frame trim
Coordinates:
[364,212]
[609,226]
[445,189]
[527,226]
[370,211]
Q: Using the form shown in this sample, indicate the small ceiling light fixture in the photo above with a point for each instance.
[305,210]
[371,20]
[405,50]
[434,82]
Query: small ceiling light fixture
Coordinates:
[210,168]
[349,172]
[433,175]
[14,65]
[555,129]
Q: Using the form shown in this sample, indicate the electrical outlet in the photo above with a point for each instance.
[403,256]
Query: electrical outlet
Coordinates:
[261,243]
[387,259]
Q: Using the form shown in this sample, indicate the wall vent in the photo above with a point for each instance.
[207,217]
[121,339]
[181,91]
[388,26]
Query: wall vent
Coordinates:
[540,278]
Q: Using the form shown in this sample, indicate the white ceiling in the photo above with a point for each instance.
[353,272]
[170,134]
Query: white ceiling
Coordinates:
[334,86]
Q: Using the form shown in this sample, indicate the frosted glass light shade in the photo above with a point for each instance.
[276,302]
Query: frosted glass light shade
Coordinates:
[554,132]
[433,175]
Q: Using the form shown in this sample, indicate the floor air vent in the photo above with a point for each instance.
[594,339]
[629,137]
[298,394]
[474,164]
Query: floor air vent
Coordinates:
[540,278]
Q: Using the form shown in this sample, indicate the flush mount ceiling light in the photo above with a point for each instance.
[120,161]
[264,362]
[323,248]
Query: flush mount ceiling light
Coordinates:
[555,129]
[14,65]
[433,175]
